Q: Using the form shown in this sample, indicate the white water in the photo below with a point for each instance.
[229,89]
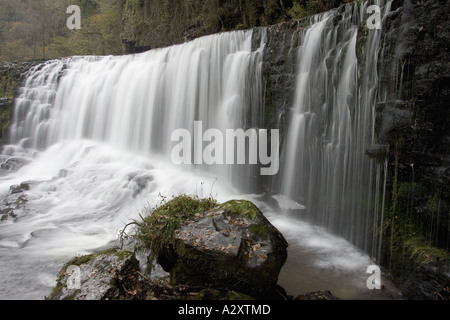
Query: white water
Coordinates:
[331,125]
[97,132]
[99,145]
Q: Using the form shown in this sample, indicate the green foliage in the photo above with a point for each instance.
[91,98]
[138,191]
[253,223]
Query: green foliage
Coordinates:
[315,6]
[39,31]
[433,203]
[158,226]
[303,8]
[88,7]
[297,11]
[133,5]
[422,253]
[407,238]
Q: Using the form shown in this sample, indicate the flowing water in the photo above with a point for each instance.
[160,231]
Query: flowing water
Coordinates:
[91,147]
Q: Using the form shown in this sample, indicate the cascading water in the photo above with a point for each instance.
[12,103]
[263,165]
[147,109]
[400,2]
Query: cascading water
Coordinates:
[331,126]
[96,135]
[92,136]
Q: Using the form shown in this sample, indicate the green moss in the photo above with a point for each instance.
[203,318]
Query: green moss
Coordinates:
[241,208]
[433,202]
[157,229]
[241,26]
[80,260]
[406,189]
[260,230]
[156,232]
[422,253]
[408,240]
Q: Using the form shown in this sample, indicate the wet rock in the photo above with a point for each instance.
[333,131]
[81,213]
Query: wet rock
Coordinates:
[378,152]
[233,246]
[444,293]
[13,204]
[95,277]
[15,163]
[391,118]
[15,189]
[24,186]
[319,295]
[116,275]
[427,282]
[6,213]
[140,182]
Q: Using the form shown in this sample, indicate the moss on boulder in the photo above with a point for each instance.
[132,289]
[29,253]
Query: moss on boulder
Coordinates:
[230,245]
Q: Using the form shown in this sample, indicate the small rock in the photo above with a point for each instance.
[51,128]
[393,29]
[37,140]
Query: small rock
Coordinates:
[319,295]
[96,277]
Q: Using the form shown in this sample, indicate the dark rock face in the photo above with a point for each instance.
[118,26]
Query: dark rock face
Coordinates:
[279,71]
[233,247]
[412,115]
[427,283]
[415,70]
[413,121]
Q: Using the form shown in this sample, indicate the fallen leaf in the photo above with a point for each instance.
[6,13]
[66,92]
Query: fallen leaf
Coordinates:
[256,246]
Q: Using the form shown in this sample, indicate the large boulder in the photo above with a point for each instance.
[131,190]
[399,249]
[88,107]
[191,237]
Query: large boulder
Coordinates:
[116,275]
[212,251]
[231,246]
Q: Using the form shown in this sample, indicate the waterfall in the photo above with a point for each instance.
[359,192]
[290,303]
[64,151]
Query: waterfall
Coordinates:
[332,119]
[135,102]
[93,139]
